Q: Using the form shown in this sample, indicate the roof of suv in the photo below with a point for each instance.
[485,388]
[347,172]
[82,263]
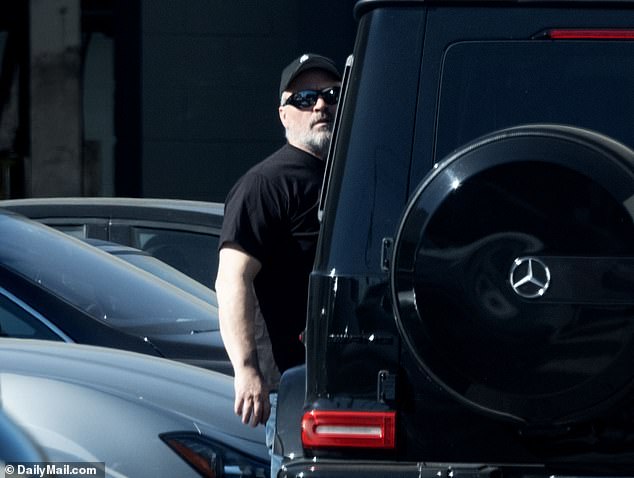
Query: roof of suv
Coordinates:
[363,6]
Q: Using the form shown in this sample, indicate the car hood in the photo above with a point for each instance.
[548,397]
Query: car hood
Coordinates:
[186,397]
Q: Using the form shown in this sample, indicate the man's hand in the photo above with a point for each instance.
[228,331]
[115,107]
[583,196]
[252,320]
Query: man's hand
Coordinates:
[252,398]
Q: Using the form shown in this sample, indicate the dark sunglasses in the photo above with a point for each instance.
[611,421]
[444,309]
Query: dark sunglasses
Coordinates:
[308,98]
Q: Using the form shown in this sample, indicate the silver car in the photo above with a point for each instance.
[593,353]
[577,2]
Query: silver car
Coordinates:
[141,416]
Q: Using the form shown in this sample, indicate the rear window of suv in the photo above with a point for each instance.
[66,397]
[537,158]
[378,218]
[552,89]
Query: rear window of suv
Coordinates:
[487,86]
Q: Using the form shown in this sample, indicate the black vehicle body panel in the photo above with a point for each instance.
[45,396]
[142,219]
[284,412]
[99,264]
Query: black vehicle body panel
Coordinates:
[387,144]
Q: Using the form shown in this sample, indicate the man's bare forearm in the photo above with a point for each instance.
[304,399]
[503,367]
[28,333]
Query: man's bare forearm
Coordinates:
[236,306]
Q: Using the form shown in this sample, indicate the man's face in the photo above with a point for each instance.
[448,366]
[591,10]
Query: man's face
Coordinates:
[309,128]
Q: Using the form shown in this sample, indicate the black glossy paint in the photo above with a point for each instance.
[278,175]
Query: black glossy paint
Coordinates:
[483,375]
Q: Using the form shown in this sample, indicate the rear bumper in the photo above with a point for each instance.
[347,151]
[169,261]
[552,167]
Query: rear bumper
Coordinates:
[368,469]
[321,468]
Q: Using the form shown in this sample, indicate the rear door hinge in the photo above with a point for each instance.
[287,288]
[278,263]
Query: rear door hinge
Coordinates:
[386,387]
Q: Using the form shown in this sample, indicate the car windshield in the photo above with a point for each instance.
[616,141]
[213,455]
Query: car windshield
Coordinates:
[169,274]
[105,287]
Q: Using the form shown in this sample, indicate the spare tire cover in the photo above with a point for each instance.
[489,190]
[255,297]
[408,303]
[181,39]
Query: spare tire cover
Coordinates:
[513,274]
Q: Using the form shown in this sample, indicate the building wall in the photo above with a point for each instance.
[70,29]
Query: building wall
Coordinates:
[209,76]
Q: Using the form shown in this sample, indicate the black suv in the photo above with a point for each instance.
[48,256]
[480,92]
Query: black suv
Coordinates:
[471,308]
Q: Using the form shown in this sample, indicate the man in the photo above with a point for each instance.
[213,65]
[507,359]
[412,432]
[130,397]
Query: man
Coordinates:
[269,237]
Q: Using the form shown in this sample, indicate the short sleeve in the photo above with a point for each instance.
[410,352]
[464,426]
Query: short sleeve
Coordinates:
[254,215]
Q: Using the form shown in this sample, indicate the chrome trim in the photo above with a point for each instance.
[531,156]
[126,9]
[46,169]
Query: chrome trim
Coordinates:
[529,277]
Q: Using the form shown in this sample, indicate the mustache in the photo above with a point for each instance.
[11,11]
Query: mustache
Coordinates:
[321,117]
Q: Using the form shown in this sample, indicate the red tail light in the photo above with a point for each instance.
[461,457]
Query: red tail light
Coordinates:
[590,34]
[323,428]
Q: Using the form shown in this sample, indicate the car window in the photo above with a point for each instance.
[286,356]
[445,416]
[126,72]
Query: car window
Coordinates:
[487,86]
[194,254]
[170,274]
[18,323]
[96,228]
[78,230]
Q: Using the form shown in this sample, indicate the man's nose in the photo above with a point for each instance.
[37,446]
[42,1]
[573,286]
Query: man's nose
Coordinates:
[320,104]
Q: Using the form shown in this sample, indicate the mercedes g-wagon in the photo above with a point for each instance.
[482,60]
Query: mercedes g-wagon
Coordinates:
[471,309]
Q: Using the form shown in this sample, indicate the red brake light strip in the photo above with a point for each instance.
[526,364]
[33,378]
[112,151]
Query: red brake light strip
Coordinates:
[590,34]
[323,428]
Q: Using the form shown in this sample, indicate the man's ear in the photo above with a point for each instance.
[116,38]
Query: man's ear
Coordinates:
[282,111]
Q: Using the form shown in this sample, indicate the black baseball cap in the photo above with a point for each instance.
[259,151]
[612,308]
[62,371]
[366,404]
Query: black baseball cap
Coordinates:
[307,61]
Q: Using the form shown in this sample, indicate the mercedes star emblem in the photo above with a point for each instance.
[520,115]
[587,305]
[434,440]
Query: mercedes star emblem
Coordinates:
[530,277]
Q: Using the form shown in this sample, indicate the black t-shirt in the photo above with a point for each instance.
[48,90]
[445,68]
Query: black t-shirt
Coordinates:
[271,213]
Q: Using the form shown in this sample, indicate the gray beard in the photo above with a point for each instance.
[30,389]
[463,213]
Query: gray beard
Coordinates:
[316,142]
